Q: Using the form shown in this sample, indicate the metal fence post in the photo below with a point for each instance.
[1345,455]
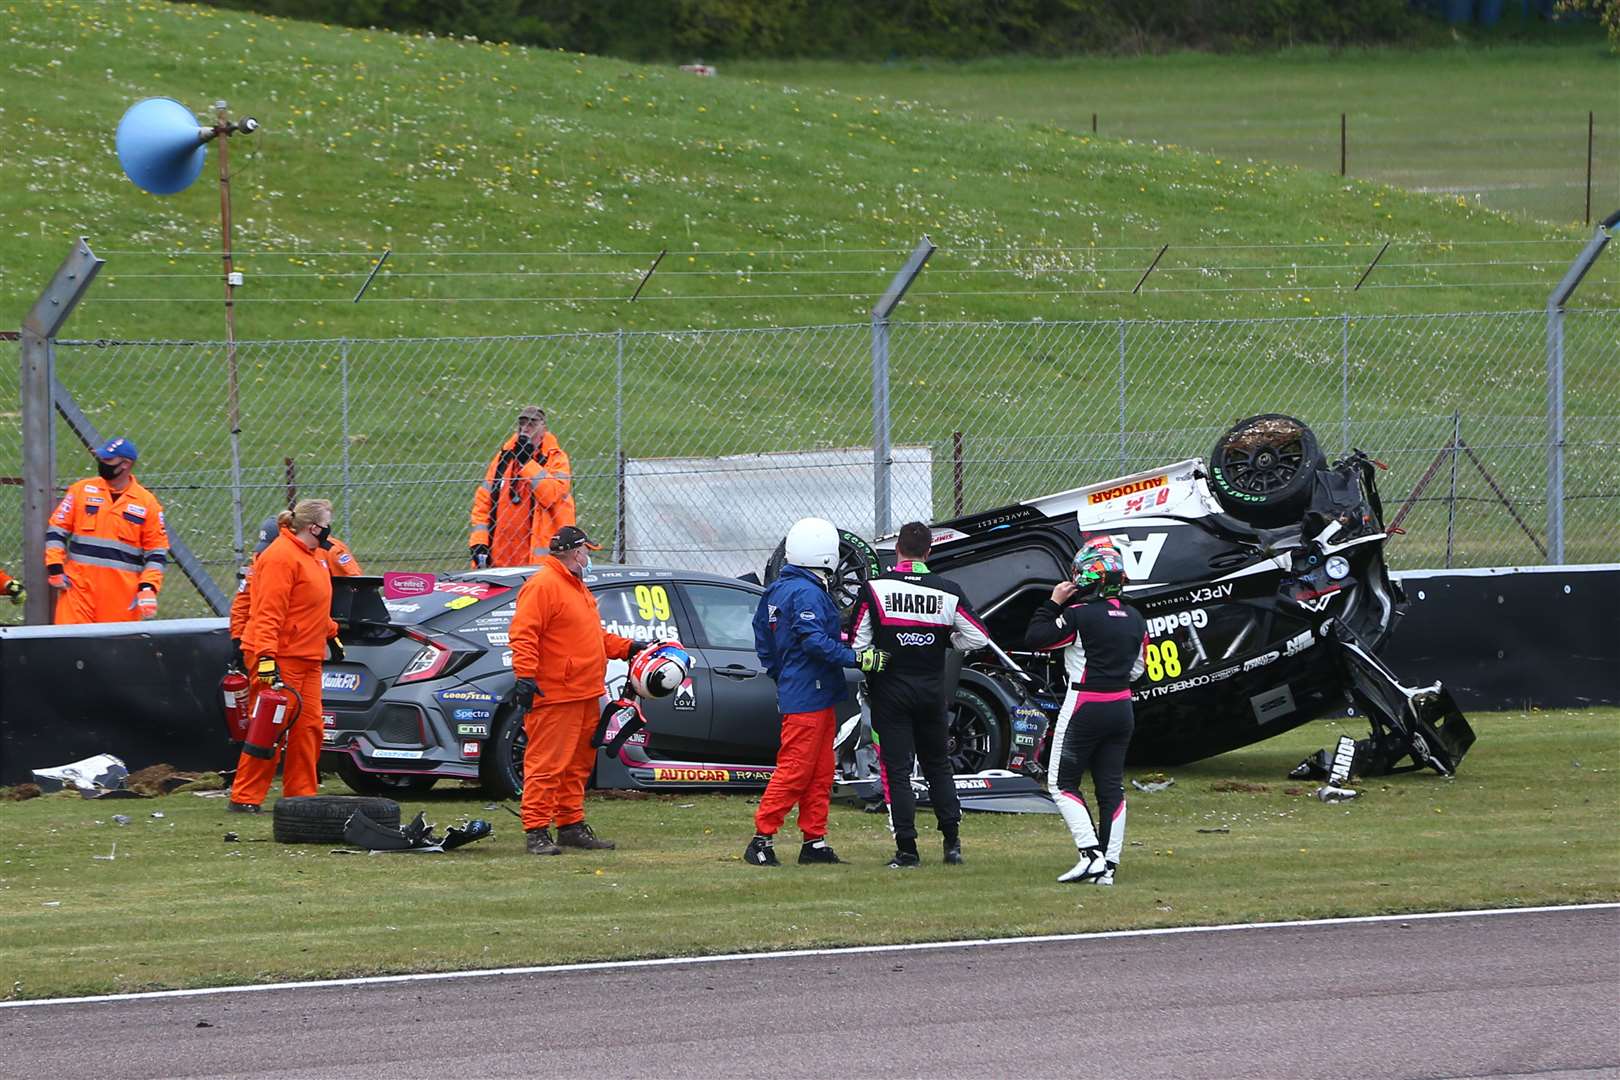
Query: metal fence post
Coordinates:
[343,371]
[1451,503]
[618,448]
[1122,467]
[1555,383]
[882,458]
[38,340]
[1344,385]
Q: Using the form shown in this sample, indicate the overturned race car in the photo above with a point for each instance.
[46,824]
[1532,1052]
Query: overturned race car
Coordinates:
[1262,576]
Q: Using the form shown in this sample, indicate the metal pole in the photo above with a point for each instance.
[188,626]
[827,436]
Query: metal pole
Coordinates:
[956,474]
[1122,467]
[343,373]
[38,341]
[1344,385]
[1555,382]
[618,446]
[1590,132]
[882,458]
[233,406]
[1344,141]
[1451,503]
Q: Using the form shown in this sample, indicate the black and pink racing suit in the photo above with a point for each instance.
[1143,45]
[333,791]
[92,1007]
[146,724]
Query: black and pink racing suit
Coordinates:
[1103,643]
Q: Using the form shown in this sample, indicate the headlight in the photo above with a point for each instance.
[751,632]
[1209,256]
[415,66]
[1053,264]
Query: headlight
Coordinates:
[1337,567]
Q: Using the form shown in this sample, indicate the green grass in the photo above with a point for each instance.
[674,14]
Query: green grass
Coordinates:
[1504,126]
[501,172]
[1529,821]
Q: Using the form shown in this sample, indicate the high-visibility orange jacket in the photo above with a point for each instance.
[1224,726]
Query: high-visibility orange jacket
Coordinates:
[108,545]
[341,561]
[518,501]
[5,579]
[242,602]
[557,637]
[290,613]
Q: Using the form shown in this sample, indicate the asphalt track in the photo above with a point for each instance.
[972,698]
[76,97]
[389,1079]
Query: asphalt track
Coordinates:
[1516,994]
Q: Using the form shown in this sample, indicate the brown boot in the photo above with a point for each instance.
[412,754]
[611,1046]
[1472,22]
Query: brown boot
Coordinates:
[538,842]
[579,835]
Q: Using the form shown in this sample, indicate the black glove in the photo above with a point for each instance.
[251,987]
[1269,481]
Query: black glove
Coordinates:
[334,650]
[268,672]
[238,661]
[523,451]
[637,647]
[523,694]
[480,555]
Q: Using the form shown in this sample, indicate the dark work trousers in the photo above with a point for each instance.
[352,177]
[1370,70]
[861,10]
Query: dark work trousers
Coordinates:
[1093,733]
[907,727]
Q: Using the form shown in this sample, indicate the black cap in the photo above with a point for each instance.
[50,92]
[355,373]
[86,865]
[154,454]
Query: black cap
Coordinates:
[570,537]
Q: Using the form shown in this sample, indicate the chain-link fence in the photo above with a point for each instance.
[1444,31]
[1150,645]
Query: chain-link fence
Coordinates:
[697,449]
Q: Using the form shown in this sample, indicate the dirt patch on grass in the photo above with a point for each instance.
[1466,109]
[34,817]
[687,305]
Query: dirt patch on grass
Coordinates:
[1245,786]
[20,792]
[165,779]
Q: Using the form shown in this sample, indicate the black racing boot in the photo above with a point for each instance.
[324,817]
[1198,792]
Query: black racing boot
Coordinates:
[761,851]
[579,835]
[817,851]
[538,842]
[953,847]
[905,855]
[242,808]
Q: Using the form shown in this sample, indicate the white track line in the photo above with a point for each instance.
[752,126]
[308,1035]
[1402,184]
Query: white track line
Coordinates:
[788,954]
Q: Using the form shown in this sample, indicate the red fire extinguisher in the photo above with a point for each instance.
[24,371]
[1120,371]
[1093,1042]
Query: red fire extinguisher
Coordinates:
[267,722]
[234,689]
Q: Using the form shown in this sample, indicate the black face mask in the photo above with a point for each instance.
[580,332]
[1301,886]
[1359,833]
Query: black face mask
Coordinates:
[108,470]
[323,536]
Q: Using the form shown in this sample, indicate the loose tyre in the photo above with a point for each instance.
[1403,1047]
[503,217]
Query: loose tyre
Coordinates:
[1263,468]
[500,769]
[369,783]
[319,819]
[977,736]
[857,562]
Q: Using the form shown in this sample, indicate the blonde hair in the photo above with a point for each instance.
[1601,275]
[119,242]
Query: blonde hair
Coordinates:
[306,513]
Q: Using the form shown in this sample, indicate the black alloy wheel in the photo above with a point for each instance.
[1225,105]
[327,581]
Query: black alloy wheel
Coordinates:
[975,736]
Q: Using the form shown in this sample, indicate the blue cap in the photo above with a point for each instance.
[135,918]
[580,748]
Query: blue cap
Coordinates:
[118,446]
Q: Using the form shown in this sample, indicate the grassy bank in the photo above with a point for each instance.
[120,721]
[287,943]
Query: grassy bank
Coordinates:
[1529,821]
[500,175]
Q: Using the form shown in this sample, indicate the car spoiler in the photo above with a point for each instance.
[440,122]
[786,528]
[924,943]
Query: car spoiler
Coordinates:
[357,602]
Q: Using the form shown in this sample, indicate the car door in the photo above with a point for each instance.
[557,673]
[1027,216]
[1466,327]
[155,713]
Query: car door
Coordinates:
[646,610]
[745,727]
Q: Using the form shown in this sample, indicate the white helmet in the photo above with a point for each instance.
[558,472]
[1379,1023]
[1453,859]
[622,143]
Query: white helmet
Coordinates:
[813,544]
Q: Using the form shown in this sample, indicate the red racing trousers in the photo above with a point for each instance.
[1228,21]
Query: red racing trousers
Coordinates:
[557,760]
[301,749]
[803,776]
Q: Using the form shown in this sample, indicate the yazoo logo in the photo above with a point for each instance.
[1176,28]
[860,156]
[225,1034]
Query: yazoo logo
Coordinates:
[340,680]
[914,639]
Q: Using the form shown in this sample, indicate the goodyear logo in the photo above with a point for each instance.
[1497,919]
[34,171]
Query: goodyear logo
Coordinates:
[692,776]
[464,695]
[1127,489]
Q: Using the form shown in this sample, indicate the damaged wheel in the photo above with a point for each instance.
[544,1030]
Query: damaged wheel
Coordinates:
[319,819]
[1263,468]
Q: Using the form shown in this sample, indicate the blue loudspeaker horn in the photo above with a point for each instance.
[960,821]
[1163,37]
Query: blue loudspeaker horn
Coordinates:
[161,146]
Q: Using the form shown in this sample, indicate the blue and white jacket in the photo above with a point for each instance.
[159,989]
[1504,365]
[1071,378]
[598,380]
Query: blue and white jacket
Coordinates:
[796,637]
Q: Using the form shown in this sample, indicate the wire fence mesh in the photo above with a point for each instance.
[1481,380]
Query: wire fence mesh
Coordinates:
[698,449]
